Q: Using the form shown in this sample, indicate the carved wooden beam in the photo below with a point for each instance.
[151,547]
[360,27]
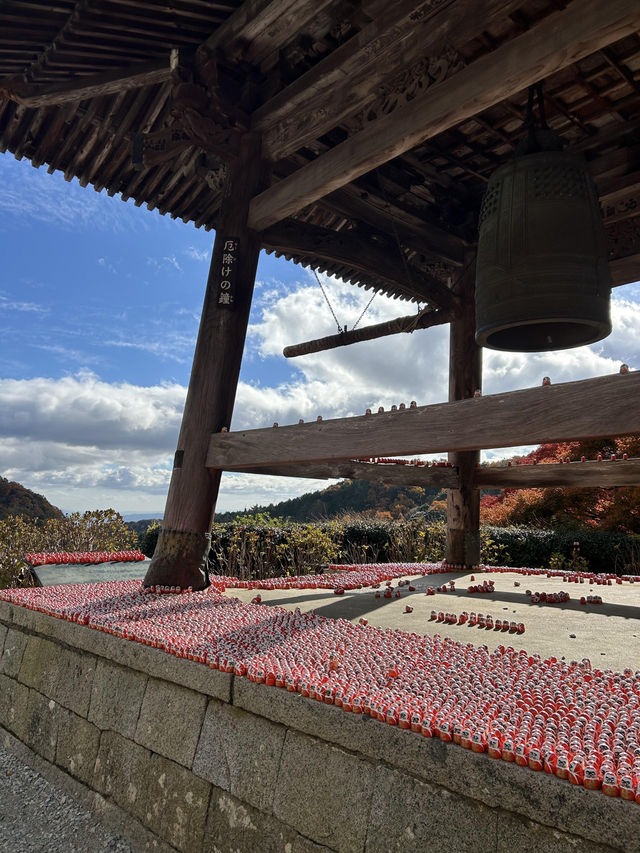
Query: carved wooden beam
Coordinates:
[394,475]
[408,324]
[381,260]
[556,475]
[620,199]
[561,39]
[80,88]
[407,47]
[591,408]
[203,115]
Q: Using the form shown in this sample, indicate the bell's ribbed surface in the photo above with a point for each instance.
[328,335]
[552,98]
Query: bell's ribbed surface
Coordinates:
[543,280]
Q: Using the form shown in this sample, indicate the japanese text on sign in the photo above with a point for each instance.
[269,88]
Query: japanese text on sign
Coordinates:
[227,272]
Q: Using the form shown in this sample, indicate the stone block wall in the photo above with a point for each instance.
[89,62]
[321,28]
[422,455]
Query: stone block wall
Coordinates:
[211,763]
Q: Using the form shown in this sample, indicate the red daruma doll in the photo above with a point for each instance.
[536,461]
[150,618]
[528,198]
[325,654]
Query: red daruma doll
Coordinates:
[626,786]
[508,749]
[522,754]
[478,742]
[445,733]
[592,779]
[576,772]
[562,766]
[535,758]
[610,784]
[493,746]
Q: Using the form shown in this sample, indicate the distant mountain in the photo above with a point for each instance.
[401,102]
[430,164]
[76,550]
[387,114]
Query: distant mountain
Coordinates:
[140,525]
[141,516]
[18,500]
[345,497]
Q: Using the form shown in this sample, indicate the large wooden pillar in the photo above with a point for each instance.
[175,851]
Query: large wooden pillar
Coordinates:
[465,377]
[180,558]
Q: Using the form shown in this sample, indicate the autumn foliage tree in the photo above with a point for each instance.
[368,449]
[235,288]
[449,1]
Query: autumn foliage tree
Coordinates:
[615,509]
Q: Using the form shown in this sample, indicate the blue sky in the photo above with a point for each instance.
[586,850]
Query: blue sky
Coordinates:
[99,308]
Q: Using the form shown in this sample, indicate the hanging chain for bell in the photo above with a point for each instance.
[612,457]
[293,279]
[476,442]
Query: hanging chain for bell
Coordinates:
[324,293]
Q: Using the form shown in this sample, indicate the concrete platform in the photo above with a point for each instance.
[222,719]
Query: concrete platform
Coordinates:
[608,634]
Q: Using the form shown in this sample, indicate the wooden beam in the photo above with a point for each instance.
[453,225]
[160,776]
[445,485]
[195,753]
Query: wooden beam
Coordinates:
[623,239]
[625,270]
[382,261]
[80,88]
[559,40]
[556,475]
[394,475]
[259,27]
[415,234]
[408,324]
[384,218]
[591,408]
[407,40]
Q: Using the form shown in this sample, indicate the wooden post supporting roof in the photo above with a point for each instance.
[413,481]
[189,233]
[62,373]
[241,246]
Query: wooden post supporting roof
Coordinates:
[465,377]
[183,545]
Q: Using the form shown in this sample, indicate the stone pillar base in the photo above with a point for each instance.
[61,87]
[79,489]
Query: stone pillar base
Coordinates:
[181,559]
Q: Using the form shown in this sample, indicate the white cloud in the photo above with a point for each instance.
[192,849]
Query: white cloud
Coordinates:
[33,195]
[84,411]
[197,254]
[168,262]
[68,354]
[84,442]
[169,346]
[17,305]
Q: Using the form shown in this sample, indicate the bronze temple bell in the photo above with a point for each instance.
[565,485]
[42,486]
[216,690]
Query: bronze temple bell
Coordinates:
[542,280]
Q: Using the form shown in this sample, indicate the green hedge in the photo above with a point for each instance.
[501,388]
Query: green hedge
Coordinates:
[270,550]
[604,551]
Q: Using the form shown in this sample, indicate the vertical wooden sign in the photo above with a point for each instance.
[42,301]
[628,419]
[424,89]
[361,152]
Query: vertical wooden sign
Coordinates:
[226,272]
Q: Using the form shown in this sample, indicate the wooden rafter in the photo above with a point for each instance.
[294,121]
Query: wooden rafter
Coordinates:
[559,40]
[412,233]
[83,87]
[558,475]
[621,69]
[380,260]
[534,416]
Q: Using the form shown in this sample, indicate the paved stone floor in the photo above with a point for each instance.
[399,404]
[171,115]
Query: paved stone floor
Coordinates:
[608,634]
[38,816]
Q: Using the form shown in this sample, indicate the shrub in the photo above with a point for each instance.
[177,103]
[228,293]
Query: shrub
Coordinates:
[603,550]
[365,540]
[96,530]
[18,536]
[149,539]
[248,550]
